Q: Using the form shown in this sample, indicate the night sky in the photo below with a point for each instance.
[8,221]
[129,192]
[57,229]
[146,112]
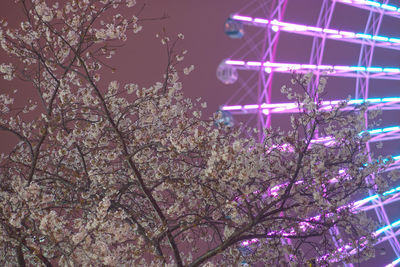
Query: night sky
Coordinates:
[143,59]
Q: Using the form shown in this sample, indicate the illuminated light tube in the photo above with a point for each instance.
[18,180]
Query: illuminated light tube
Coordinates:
[276,105]
[274,192]
[332,33]
[242,18]
[314,29]
[252,63]
[383,229]
[374,100]
[235,62]
[251,106]
[376,233]
[324,67]
[391,99]
[356,101]
[357,68]
[237,107]
[390,129]
[347,34]
[374,69]
[283,24]
[375,131]
[365,36]
[372,3]
[391,69]
[342,68]
[275,28]
[260,20]
[380,38]
[290,106]
[389,7]
[394,263]
[277,66]
[308,66]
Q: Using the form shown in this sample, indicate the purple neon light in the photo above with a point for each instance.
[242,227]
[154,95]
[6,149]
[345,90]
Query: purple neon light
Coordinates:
[363,243]
[279,66]
[299,28]
[285,107]
[391,9]
[235,62]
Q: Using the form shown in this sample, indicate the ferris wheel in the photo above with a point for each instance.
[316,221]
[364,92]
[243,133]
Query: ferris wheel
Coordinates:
[256,68]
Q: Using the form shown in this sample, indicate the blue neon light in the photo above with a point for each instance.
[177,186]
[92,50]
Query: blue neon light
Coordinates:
[356,101]
[390,129]
[383,229]
[373,3]
[375,131]
[365,36]
[374,100]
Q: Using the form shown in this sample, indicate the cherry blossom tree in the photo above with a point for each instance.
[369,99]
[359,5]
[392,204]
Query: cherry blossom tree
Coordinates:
[119,175]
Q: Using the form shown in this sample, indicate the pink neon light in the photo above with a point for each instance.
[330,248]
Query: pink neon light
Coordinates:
[243,18]
[276,105]
[315,29]
[234,62]
[260,20]
[285,67]
[324,67]
[330,31]
[341,68]
[347,34]
[275,28]
[251,106]
[308,66]
[232,107]
[252,63]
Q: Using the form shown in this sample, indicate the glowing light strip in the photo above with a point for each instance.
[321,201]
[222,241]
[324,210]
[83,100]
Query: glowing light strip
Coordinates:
[383,229]
[382,130]
[278,66]
[299,28]
[304,225]
[376,233]
[330,140]
[394,263]
[372,4]
[280,107]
